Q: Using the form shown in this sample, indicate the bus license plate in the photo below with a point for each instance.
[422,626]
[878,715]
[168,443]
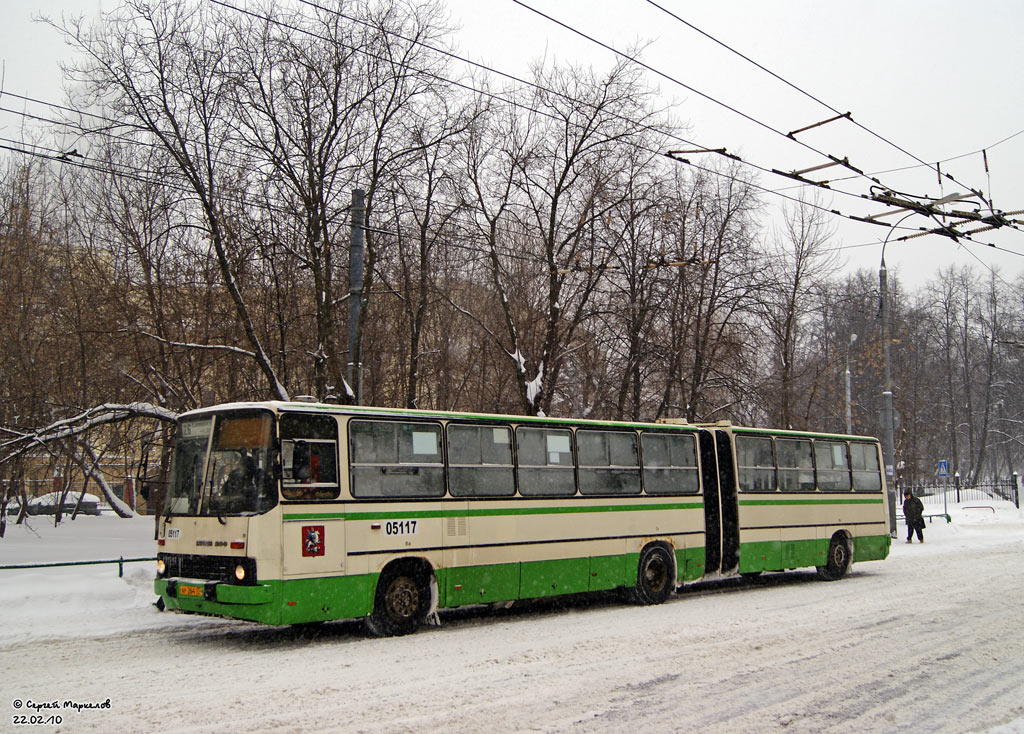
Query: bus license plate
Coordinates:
[190,590]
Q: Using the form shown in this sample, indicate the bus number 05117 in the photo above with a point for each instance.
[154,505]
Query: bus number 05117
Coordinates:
[400,527]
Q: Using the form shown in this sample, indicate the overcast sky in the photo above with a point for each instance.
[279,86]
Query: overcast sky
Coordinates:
[937,79]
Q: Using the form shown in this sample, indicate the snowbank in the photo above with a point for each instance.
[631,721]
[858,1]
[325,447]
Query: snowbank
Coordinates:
[78,601]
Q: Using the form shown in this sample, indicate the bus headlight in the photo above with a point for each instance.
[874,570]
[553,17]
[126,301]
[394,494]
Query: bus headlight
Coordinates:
[161,567]
[240,572]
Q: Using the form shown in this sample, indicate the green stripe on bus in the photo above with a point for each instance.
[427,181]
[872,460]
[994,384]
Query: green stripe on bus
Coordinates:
[293,601]
[392,515]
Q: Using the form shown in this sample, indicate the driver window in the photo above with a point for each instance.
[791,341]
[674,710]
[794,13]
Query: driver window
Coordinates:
[236,469]
[309,457]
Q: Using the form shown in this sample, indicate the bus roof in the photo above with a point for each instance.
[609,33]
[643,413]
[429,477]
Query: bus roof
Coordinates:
[362,410]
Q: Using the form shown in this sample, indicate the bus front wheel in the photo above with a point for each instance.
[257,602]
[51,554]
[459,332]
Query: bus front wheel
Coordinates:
[655,578]
[401,603]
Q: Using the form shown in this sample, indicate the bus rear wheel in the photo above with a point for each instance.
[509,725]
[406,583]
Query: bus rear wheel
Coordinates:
[839,559]
[401,603]
[655,579]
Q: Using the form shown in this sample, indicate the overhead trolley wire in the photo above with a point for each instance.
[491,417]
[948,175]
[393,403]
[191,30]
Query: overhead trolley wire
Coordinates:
[54,154]
[122,169]
[525,82]
[696,91]
[791,136]
[134,174]
[83,131]
[937,167]
[934,166]
[928,165]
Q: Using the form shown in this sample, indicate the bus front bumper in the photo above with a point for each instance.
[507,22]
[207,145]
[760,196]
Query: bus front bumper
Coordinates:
[195,595]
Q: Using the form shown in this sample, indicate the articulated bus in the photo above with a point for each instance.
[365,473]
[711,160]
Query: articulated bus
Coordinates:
[291,513]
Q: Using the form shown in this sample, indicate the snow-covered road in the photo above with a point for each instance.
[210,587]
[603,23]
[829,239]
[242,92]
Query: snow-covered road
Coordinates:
[931,639]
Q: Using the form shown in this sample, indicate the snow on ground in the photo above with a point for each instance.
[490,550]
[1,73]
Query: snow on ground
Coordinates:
[74,601]
[887,649]
[86,538]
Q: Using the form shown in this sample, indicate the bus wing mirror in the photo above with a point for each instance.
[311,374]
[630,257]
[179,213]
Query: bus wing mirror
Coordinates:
[275,463]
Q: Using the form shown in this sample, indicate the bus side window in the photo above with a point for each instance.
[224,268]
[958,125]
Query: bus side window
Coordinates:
[309,457]
[832,465]
[796,467]
[867,476]
[480,461]
[609,462]
[396,459]
[670,463]
[545,462]
[756,464]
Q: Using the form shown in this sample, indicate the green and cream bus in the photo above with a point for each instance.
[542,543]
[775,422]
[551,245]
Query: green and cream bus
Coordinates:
[287,513]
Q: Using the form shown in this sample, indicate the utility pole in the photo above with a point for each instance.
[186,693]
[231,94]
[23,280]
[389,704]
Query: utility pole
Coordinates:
[849,403]
[355,298]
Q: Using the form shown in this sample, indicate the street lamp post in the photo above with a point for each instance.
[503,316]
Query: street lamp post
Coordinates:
[888,447]
[888,441]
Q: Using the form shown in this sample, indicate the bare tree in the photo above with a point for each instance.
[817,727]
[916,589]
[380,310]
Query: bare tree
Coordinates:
[543,183]
[644,255]
[991,324]
[303,85]
[710,345]
[408,67]
[427,199]
[163,67]
[798,263]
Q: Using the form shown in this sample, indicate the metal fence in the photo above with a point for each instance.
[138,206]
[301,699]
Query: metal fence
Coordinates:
[1002,489]
[119,561]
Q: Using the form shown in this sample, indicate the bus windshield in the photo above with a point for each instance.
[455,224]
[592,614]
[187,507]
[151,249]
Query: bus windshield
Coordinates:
[222,466]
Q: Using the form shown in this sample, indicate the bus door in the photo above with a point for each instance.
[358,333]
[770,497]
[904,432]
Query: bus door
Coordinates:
[721,514]
[712,503]
[729,507]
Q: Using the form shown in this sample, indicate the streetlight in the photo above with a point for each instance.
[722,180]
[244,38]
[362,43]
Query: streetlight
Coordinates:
[888,447]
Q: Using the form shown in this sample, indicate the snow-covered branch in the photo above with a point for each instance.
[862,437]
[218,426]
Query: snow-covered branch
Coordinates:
[479,322]
[99,415]
[90,469]
[193,345]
